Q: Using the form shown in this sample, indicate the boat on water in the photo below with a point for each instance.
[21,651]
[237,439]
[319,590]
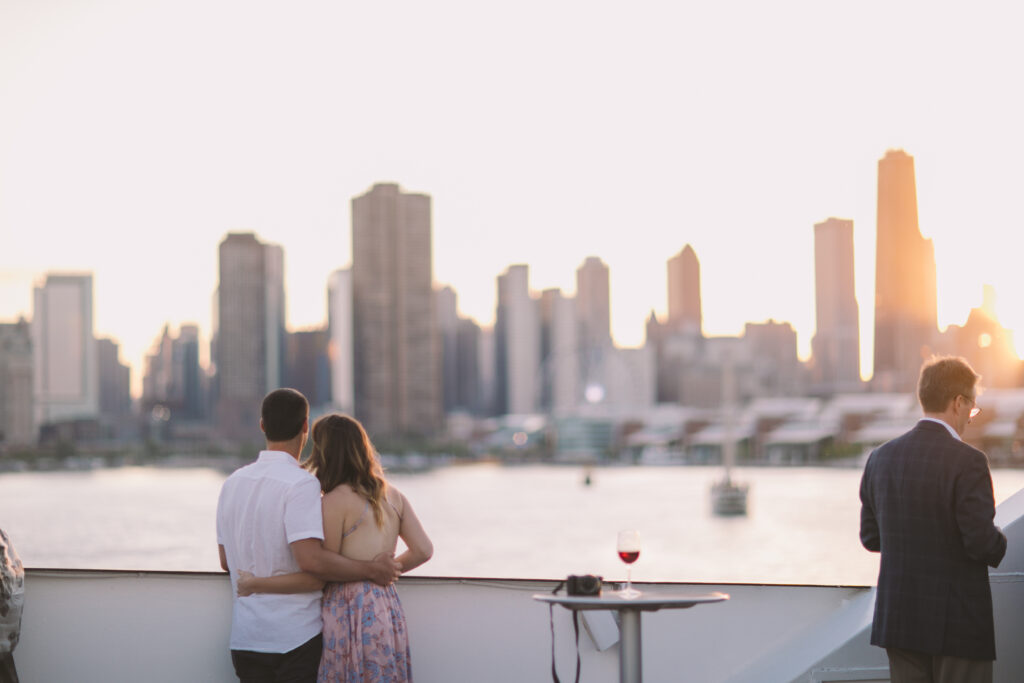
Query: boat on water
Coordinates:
[140,626]
[729,499]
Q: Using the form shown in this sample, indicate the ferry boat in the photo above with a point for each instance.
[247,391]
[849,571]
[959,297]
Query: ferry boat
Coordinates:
[143,626]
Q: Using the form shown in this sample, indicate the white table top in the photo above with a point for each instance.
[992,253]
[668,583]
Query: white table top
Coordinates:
[647,601]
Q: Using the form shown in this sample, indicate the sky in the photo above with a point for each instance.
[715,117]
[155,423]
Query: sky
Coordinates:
[135,135]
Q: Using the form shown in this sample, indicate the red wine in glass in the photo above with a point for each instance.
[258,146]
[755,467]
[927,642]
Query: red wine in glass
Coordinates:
[629,556]
[628,547]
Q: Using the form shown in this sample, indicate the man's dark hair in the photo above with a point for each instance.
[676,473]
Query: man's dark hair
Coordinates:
[284,411]
[943,378]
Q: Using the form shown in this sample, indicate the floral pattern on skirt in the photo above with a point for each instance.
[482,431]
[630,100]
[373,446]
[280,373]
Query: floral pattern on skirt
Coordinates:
[365,639]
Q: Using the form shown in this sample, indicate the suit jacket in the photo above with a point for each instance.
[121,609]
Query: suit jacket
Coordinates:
[927,505]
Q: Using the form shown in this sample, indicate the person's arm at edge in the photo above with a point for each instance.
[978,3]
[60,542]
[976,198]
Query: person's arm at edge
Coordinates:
[975,513]
[419,548]
[297,582]
[223,557]
[869,536]
[314,559]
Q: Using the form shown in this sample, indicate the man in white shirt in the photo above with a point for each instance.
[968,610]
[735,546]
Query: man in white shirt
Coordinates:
[269,522]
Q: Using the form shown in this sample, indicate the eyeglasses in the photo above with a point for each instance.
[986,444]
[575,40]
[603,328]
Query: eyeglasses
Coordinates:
[974,409]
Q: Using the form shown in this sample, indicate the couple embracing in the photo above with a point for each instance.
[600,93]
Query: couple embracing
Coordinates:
[314,573]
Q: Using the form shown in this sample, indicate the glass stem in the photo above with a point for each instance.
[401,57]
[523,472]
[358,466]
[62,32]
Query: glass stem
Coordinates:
[629,578]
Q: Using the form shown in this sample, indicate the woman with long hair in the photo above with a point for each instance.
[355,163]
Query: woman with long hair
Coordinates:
[364,624]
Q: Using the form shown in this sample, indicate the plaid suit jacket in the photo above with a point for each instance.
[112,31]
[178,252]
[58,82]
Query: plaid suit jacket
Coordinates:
[927,506]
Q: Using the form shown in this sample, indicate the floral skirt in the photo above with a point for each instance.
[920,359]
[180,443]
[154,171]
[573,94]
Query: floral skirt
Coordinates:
[365,639]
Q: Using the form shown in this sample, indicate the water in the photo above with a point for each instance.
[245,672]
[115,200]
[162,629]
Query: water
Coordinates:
[485,521]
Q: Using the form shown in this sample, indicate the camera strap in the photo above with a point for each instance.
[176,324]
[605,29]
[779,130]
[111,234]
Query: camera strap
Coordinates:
[576,628]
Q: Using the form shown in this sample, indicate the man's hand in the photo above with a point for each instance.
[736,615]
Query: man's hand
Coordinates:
[384,569]
[244,583]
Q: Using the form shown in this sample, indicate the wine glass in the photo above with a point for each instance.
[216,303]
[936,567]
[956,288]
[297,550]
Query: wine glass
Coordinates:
[628,547]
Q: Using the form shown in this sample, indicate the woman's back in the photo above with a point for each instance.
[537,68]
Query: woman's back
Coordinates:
[350,525]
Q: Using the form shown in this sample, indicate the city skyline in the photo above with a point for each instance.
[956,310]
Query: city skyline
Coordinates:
[733,136]
[275,285]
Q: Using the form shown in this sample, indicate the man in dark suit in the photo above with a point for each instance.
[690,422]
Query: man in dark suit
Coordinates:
[927,505]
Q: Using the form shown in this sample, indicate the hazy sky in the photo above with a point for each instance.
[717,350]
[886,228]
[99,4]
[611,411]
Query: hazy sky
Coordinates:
[134,135]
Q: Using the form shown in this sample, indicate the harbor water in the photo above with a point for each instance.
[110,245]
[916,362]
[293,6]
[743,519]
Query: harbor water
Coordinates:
[486,520]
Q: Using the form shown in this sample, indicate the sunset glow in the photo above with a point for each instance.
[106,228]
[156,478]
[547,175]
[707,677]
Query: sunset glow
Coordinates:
[133,137]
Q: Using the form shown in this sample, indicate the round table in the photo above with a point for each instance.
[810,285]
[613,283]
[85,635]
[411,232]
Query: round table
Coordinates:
[629,609]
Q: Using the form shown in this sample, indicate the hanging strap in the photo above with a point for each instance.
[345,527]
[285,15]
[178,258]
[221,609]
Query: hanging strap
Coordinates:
[551,620]
[576,629]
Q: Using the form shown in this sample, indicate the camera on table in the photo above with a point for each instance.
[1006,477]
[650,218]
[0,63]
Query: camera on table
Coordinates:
[585,584]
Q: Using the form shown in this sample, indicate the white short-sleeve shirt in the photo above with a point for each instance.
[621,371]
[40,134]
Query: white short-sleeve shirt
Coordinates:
[263,507]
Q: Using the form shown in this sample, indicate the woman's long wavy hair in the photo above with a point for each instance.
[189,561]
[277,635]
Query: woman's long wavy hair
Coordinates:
[343,454]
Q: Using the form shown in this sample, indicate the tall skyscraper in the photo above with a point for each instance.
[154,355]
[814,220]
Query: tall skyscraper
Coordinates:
[248,348]
[173,378]
[460,341]
[396,341]
[308,367]
[487,366]
[448,327]
[835,349]
[559,349]
[65,362]
[905,298]
[115,380]
[470,395]
[186,355]
[774,366]
[684,311]
[516,344]
[593,307]
[158,375]
[593,311]
[16,403]
[339,345]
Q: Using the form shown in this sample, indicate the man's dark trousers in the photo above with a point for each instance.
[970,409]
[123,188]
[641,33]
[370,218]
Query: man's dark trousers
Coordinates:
[296,666]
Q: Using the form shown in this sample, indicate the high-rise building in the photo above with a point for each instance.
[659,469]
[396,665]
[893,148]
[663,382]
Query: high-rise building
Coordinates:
[460,369]
[835,348]
[173,379]
[775,367]
[248,346]
[684,309]
[469,395]
[678,342]
[158,381]
[593,311]
[396,341]
[986,344]
[64,350]
[186,354]
[628,380]
[593,307]
[16,402]
[905,297]
[487,366]
[448,327]
[308,368]
[516,344]
[115,380]
[339,345]
[559,352]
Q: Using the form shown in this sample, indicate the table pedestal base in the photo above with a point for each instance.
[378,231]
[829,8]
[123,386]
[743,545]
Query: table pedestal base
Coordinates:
[630,656]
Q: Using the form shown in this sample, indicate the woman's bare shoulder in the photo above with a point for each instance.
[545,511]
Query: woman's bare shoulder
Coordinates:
[396,498]
[341,496]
